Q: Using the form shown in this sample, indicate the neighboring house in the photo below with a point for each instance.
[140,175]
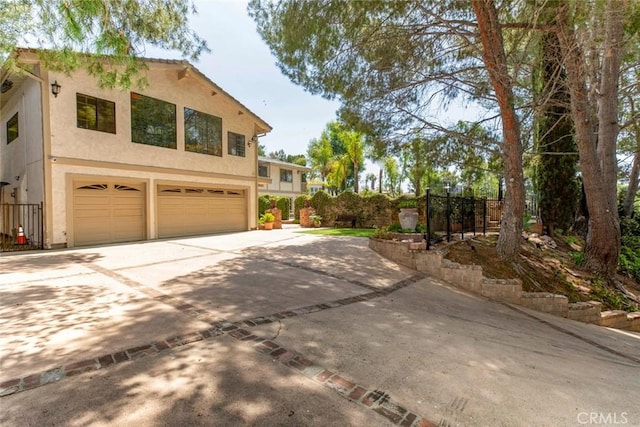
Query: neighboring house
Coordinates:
[282,179]
[315,185]
[176,158]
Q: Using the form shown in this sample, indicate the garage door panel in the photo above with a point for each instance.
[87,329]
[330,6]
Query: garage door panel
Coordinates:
[108,213]
[199,211]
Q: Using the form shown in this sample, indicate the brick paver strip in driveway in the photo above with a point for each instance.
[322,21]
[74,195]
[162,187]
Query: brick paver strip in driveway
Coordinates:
[375,400]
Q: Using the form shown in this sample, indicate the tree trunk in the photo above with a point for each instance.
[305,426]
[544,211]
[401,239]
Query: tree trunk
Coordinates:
[493,55]
[632,189]
[380,181]
[356,186]
[603,236]
[608,126]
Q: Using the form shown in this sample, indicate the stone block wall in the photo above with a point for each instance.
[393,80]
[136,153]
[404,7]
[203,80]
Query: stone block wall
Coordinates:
[470,277]
[587,312]
[546,302]
[615,319]
[509,290]
[634,321]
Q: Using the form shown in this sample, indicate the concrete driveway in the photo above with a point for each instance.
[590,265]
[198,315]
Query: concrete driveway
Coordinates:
[281,328]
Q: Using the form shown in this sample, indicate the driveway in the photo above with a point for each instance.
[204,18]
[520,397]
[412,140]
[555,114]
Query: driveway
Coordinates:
[282,328]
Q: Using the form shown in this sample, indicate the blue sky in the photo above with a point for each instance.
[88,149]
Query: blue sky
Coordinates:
[241,63]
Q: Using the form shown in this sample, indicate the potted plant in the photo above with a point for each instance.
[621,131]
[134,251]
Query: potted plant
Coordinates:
[317,220]
[408,215]
[268,218]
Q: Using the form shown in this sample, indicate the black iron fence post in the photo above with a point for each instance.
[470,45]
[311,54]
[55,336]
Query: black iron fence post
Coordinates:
[426,214]
[484,217]
[41,218]
[473,214]
[462,218]
[448,216]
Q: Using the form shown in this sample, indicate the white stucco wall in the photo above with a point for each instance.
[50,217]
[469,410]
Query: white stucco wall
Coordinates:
[21,162]
[279,187]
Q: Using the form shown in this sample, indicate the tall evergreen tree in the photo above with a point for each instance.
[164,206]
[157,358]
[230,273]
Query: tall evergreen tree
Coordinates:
[555,176]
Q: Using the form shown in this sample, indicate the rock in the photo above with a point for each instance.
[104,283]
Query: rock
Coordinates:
[549,242]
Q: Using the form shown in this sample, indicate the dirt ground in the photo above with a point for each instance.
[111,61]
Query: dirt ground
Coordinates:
[543,269]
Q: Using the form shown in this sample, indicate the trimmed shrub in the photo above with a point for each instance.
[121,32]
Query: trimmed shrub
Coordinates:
[322,202]
[263,204]
[283,203]
[298,204]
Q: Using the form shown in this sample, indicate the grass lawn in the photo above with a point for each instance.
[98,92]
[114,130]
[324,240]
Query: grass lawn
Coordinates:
[349,232]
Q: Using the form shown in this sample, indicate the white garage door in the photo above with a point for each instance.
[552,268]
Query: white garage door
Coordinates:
[108,213]
[188,211]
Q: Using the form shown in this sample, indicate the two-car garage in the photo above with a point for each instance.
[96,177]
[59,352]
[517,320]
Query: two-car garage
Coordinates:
[110,211]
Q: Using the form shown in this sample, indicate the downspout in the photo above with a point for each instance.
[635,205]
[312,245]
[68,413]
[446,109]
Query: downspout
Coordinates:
[257,175]
[47,210]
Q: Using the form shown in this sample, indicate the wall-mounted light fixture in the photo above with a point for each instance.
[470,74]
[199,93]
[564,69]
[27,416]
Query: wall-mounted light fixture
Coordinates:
[55,88]
[253,140]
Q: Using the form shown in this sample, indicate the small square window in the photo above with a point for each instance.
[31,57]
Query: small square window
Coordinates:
[95,113]
[236,144]
[263,170]
[13,130]
[286,175]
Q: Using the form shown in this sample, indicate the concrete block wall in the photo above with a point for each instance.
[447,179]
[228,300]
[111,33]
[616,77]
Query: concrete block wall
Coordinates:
[634,321]
[615,319]
[546,302]
[587,312]
[470,277]
[508,290]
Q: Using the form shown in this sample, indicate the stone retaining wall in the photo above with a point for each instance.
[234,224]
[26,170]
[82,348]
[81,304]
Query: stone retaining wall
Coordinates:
[470,277]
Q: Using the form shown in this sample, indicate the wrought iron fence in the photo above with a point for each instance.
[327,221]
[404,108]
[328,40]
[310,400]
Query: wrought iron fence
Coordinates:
[452,214]
[449,215]
[21,227]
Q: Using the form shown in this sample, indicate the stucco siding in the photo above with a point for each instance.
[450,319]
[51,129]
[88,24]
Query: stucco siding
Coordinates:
[21,160]
[67,140]
[276,185]
[52,155]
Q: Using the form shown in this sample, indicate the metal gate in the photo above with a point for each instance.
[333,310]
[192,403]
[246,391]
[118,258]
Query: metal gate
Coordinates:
[21,227]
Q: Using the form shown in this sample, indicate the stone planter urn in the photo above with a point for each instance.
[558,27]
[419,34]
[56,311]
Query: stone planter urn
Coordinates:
[408,218]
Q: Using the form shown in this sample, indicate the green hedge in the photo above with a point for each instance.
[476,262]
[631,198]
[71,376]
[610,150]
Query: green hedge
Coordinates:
[371,209]
[282,203]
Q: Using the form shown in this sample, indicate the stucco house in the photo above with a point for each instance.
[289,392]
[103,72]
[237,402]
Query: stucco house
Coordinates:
[282,179]
[176,158]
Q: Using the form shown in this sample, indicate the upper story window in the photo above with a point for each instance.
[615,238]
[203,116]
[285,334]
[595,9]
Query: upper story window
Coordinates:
[286,175]
[153,122]
[236,144]
[202,133]
[303,177]
[95,113]
[263,170]
[12,128]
